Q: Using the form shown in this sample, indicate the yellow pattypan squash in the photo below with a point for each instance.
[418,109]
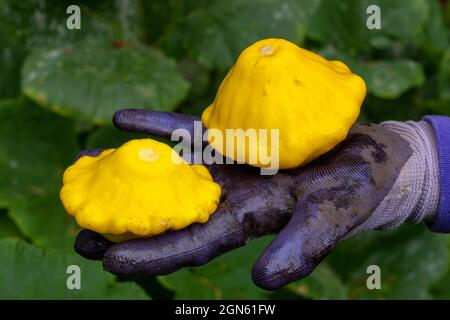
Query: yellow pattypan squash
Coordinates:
[141,189]
[277,85]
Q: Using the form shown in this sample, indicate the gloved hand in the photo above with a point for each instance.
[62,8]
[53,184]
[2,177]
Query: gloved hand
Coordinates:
[378,178]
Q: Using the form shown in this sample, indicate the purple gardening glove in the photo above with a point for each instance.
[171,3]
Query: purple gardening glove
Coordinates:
[310,208]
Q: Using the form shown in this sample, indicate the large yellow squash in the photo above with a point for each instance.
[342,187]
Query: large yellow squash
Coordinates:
[141,189]
[277,85]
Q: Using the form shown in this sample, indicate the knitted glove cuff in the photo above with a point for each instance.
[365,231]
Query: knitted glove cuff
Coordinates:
[414,197]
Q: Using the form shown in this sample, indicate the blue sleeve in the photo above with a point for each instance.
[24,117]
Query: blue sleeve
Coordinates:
[441,126]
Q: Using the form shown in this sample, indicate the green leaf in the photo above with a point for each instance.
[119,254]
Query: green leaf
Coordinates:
[161,16]
[323,283]
[217,279]
[441,107]
[29,23]
[110,137]
[343,23]
[43,22]
[377,110]
[411,260]
[436,36]
[386,79]
[390,79]
[44,220]
[27,272]
[11,58]
[8,228]
[198,77]
[444,76]
[441,290]
[440,100]
[215,32]
[124,17]
[402,19]
[93,80]
[226,277]
[35,148]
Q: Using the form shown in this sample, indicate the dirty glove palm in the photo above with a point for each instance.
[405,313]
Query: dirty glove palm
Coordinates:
[346,191]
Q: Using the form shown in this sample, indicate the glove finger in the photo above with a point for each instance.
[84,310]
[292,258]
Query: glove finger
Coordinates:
[88,152]
[228,228]
[297,250]
[339,194]
[91,245]
[154,122]
[192,246]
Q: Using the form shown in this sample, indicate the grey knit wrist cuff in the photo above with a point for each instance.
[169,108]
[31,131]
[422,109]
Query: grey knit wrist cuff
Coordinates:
[415,195]
[422,170]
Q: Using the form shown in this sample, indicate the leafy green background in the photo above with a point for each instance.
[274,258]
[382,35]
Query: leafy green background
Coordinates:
[60,87]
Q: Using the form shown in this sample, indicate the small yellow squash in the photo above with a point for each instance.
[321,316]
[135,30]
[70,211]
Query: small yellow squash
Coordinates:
[141,189]
[275,84]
